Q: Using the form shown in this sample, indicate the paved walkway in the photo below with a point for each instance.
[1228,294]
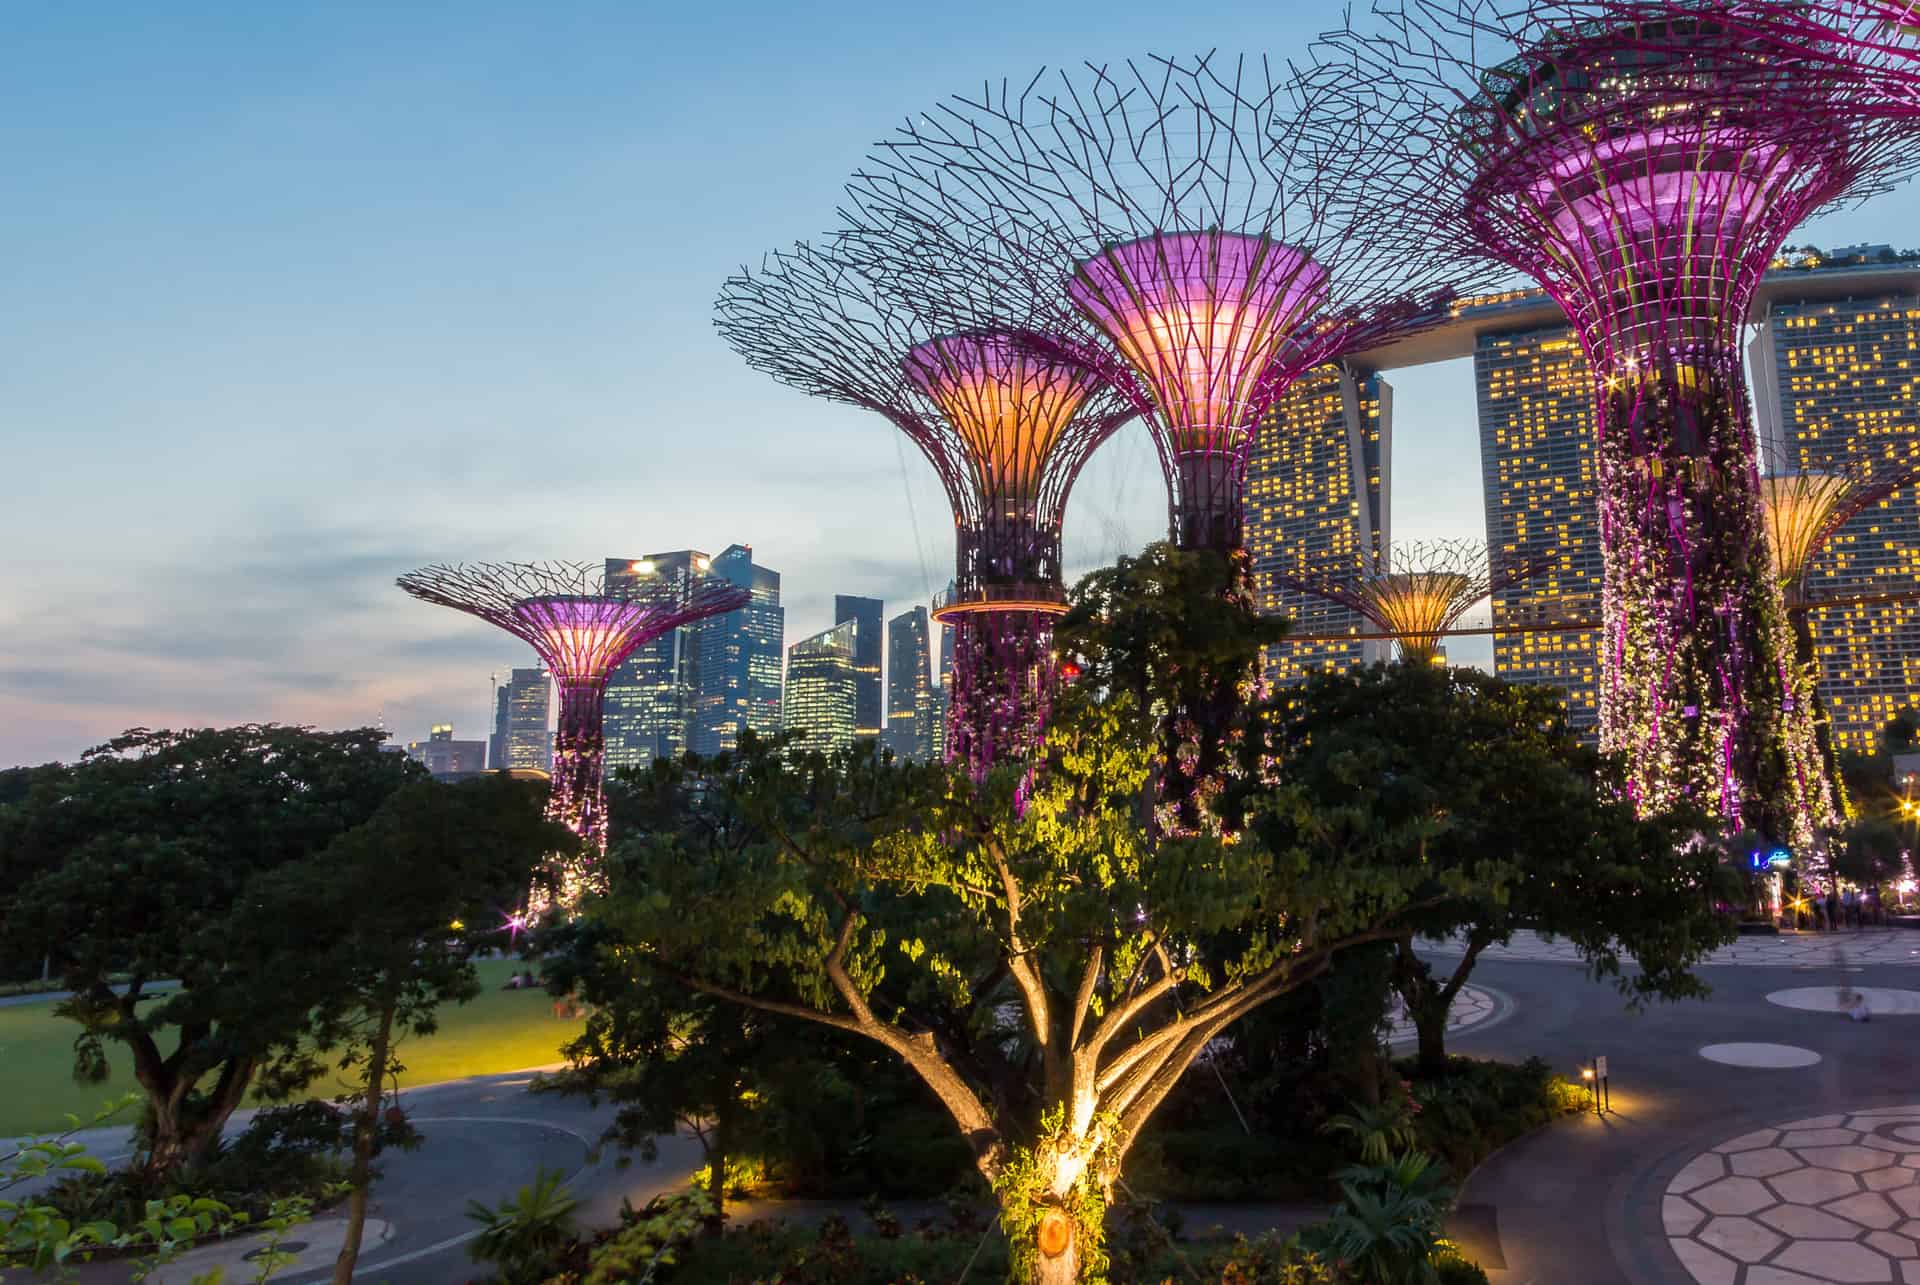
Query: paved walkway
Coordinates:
[1474,1006]
[1866,947]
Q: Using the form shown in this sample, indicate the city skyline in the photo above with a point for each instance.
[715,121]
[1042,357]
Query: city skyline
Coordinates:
[353,304]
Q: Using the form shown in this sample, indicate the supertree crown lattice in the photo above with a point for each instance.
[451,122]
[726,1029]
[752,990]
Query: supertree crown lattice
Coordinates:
[1807,509]
[1645,168]
[1006,420]
[1144,206]
[564,611]
[1418,593]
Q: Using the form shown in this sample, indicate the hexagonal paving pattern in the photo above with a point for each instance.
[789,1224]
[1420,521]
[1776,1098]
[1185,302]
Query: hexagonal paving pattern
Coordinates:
[1834,1198]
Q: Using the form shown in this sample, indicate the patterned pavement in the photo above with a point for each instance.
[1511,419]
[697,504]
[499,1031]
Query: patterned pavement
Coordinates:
[1868,946]
[1473,1006]
[1831,1198]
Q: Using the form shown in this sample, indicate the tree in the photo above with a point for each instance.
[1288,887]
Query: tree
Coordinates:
[385,919]
[1175,630]
[138,858]
[999,942]
[1526,827]
[1868,852]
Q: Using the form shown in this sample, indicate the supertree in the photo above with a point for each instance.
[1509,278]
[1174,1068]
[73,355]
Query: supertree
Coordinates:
[1148,203]
[1418,593]
[1007,424]
[564,612]
[1176,250]
[1645,172]
[1803,511]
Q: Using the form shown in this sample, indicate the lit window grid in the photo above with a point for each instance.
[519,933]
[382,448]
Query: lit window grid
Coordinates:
[1535,404]
[1303,514]
[1848,375]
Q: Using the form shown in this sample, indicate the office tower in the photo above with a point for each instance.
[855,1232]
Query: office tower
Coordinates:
[910,690]
[497,743]
[650,697]
[869,714]
[1317,505]
[734,660]
[1538,471]
[528,743]
[444,757]
[1838,380]
[823,688]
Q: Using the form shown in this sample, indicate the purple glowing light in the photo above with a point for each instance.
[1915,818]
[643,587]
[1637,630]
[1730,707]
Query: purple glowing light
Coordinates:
[583,638]
[1214,322]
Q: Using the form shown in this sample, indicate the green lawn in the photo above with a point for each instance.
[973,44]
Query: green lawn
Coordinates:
[499,1031]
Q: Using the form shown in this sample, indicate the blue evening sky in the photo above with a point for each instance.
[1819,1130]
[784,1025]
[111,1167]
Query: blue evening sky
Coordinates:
[297,297]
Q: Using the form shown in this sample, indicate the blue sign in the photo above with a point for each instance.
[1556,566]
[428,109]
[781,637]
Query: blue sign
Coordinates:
[1774,859]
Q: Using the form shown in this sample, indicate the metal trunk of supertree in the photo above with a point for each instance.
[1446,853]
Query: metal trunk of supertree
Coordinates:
[582,633]
[1645,172]
[1005,415]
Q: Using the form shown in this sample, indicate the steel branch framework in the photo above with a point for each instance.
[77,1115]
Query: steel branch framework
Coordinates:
[562,610]
[1145,201]
[1007,420]
[1645,172]
[1418,595]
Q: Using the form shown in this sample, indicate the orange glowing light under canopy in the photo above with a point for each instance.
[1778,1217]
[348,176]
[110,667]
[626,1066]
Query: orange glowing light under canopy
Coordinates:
[1802,510]
[1010,408]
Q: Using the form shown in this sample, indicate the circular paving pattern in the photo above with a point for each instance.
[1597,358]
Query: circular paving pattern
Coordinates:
[1834,1198]
[1473,1006]
[1778,1056]
[1883,1002]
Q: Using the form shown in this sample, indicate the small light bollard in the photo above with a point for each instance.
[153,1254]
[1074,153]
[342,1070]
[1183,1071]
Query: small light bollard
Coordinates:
[1592,1084]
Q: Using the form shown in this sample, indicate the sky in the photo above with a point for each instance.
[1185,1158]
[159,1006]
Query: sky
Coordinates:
[295,298]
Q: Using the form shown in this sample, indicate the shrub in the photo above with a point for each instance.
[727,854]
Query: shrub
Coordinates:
[527,1233]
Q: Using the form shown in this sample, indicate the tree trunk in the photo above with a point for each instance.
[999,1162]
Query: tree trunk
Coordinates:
[1430,1021]
[365,1125]
[717,1166]
[183,1130]
[1064,1267]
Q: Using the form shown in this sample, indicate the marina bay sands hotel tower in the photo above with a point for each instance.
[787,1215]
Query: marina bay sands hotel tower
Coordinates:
[1835,362]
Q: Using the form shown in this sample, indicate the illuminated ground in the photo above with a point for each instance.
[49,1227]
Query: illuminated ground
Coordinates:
[499,1031]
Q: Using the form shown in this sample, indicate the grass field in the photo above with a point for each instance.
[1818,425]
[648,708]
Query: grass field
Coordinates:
[499,1031]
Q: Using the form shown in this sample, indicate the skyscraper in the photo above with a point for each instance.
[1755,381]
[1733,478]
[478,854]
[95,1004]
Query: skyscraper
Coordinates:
[497,742]
[869,712]
[1838,380]
[910,692]
[649,699]
[528,743]
[1538,473]
[823,687]
[734,666]
[1316,501]
[445,757]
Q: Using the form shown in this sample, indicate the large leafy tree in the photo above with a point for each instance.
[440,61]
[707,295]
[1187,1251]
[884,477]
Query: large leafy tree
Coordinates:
[1516,825]
[138,859]
[1029,954]
[385,919]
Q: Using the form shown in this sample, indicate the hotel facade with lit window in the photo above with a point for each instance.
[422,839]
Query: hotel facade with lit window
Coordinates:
[1316,501]
[1535,406]
[1834,367]
[1839,380]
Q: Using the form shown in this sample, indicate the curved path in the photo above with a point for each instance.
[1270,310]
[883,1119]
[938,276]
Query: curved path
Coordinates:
[1722,1168]
[1584,1202]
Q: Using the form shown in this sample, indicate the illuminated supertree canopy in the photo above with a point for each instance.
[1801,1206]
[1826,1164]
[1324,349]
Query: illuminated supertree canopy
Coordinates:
[1005,419]
[1805,510]
[1645,170]
[563,611]
[1416,596]
[1147,203]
